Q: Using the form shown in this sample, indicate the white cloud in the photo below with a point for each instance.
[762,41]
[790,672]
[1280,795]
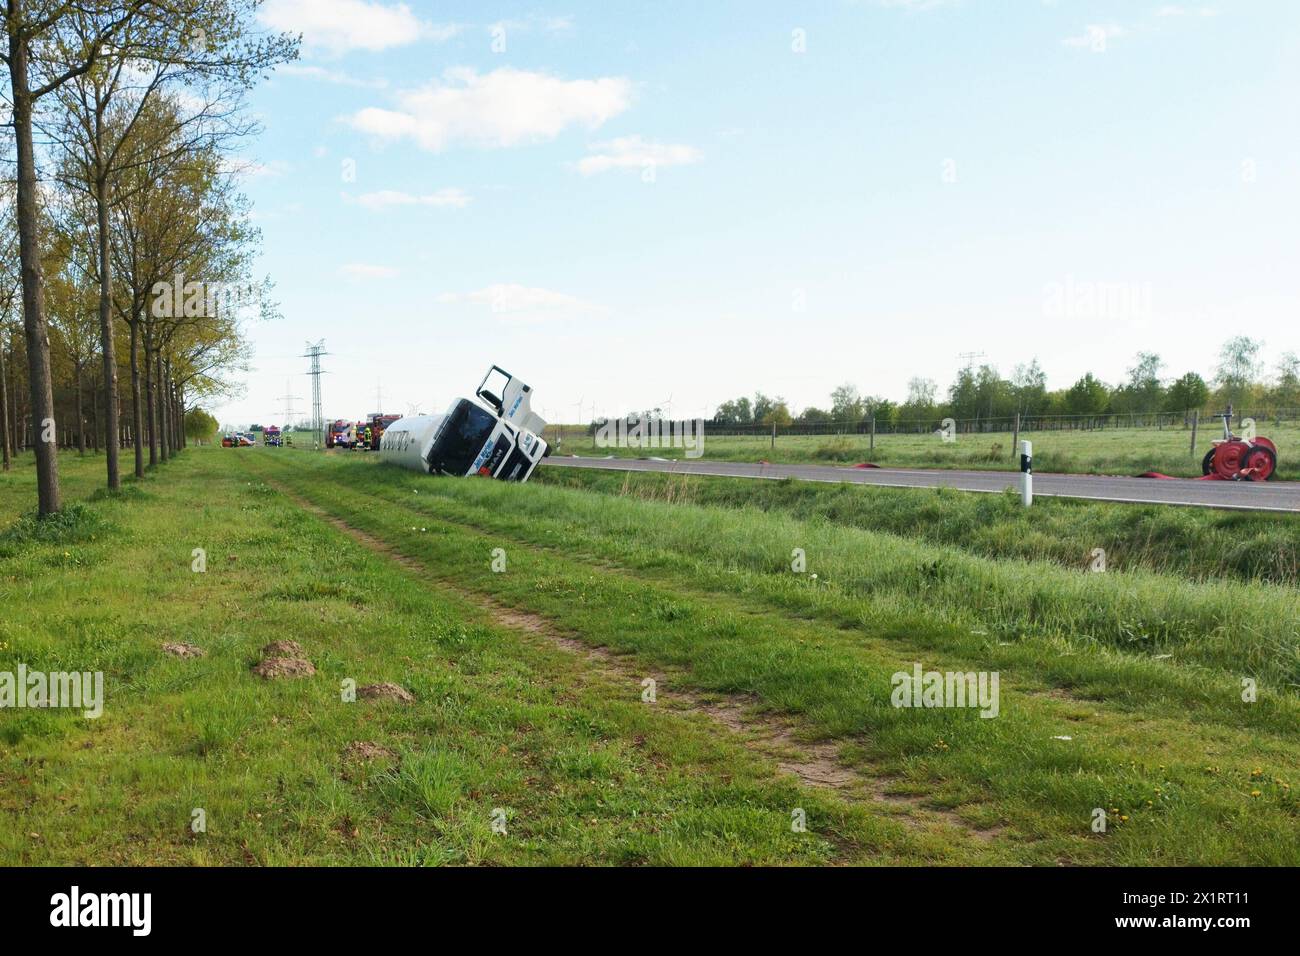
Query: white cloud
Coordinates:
[362,270]
[388,198]
[506,107]
[337,26]
[330,76]
[510,298]
[633,152]
[1096,36]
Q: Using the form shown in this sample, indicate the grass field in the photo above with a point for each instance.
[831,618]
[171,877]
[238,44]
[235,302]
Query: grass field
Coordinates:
[1129,451]
[1120,692]
[1198,543]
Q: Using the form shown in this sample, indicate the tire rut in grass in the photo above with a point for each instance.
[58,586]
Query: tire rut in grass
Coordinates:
[731,603]
[814,764]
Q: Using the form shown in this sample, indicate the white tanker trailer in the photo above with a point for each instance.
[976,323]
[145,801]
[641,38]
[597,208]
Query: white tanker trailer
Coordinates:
[502,440]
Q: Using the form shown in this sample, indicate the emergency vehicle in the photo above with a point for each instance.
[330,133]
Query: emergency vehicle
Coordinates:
[341,434]
[378,425]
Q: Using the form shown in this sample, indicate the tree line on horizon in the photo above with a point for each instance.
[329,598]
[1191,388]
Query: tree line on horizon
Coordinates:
[982,394]
[126,246]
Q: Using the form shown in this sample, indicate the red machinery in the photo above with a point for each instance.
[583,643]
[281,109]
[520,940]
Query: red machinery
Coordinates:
[379,423]
[1239,459]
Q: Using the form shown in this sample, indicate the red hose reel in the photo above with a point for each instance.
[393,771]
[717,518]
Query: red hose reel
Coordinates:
[1235,458]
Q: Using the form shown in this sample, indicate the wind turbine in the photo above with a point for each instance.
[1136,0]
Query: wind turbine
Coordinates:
[669,403]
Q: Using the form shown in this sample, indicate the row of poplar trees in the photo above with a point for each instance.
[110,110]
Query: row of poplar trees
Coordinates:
[120,214]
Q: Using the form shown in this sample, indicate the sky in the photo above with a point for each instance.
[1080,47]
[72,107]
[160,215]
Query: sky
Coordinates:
[670,204]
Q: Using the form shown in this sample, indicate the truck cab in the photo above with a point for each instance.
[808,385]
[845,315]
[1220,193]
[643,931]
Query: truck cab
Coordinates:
[472,438]
[342,435]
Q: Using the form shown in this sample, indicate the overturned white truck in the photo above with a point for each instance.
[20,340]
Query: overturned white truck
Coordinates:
[502,440]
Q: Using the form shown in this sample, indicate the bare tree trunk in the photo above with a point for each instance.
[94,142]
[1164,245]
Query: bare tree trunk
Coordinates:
[15,434]
[4,405]
[164,439]
[180,407]
[20,424]
[106,334]
[150,390]
[137,405]
[15,440]
[171,409]
[176,418]
[34,325]
[94,415]
[81,415]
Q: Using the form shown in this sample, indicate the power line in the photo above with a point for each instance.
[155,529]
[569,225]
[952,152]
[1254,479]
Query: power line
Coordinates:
[314,352]
[287,401]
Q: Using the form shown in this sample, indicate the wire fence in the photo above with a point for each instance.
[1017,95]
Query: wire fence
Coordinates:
[560,434]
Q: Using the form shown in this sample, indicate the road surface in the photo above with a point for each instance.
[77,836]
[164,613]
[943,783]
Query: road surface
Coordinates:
[1241,495]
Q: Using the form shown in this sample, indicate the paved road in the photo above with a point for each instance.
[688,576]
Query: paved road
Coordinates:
[1242,495]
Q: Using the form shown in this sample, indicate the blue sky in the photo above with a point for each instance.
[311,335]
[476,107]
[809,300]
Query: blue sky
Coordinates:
[623,203]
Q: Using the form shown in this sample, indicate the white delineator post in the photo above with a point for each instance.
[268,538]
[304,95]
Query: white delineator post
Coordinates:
[1026,473]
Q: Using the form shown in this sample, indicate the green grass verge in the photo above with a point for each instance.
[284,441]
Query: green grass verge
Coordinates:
[583,770]
[1121,691]
[1197,543]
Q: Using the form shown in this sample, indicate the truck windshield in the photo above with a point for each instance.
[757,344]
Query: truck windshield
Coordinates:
[460,439]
